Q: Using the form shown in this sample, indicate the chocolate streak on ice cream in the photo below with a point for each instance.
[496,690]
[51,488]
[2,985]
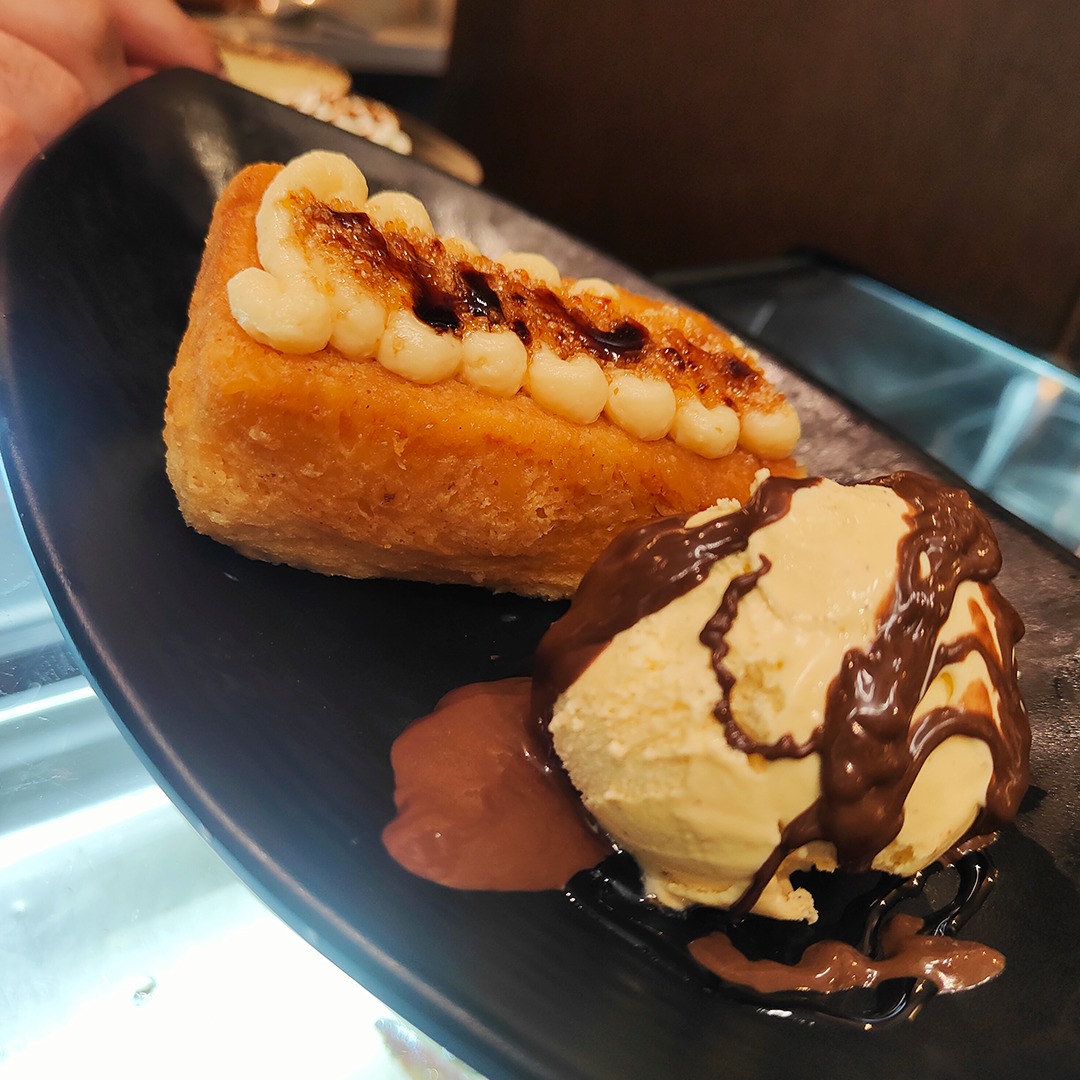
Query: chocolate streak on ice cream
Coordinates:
[642,571]
[871,753]
[714,636]
[452,295]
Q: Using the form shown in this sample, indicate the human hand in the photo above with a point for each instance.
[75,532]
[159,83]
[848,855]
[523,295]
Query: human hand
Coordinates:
[60,58]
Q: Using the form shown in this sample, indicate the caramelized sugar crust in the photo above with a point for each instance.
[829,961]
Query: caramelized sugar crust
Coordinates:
[457,291]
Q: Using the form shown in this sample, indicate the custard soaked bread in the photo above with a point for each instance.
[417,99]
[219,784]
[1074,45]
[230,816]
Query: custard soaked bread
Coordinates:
[357,395]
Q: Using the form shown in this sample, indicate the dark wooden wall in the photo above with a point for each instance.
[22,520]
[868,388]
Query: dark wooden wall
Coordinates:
[934,143]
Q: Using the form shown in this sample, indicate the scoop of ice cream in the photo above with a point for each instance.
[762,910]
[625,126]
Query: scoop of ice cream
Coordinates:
[822,678]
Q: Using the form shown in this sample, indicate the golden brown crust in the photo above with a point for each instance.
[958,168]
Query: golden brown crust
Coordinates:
[341,466]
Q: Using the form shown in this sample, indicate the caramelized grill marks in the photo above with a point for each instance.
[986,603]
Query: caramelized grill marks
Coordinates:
[481,299]
[452,294]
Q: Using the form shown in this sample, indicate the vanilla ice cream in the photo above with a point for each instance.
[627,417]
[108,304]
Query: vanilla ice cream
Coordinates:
[822,678]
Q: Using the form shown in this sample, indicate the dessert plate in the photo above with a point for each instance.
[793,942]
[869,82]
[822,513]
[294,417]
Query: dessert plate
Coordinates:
[265,699]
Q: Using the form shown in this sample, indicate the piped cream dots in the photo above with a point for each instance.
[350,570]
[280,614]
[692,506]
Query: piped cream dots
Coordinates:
[415,351]
[300,301]
[289,314]
[493,360]
[770,434]
[594,286]
[643,407]
[538,267]
[712,433]
[398,208]
[574,389]
[359,328]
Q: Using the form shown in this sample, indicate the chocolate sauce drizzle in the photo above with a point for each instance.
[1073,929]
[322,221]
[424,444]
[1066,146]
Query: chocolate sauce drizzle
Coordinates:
[714,637]
[642,571]
[791,966]
[870,750]
[452,295]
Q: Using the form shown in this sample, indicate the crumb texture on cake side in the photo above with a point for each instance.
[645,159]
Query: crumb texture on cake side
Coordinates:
[341,466]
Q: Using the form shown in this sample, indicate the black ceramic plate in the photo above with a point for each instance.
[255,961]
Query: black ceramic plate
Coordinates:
[266,699]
